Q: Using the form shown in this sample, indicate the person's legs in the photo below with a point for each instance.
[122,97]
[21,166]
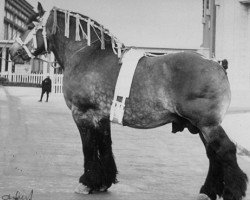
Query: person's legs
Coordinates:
[47,93]
[41,98]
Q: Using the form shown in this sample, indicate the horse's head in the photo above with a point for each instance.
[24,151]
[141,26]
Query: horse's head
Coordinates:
[34,40]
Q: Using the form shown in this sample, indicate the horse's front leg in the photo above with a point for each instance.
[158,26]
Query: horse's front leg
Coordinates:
[99,165]
[106,154]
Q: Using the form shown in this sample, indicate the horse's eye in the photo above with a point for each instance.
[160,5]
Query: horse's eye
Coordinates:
[31,26]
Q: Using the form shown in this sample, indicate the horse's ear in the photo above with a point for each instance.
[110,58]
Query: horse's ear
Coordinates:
[40,9]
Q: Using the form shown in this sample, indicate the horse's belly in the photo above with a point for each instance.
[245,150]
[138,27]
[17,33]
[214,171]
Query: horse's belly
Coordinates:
[146,115]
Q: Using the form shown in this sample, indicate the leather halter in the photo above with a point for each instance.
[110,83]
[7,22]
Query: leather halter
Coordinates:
[32,36]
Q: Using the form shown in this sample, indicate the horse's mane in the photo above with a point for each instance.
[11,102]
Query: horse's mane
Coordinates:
[62,11]
[80,17]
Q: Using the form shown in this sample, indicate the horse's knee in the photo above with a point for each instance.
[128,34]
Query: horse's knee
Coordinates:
[87,118]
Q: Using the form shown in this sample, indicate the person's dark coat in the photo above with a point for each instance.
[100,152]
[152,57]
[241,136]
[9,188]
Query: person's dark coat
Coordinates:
[46,85]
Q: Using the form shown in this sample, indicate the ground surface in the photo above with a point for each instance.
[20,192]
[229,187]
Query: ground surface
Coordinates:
[41,150]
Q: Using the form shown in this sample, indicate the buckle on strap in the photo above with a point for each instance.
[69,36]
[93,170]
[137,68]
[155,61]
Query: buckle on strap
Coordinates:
[117,109]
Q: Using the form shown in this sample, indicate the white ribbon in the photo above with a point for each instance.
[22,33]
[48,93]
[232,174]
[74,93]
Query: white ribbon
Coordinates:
[67,20]
[79,28]
[89,23]
[102,38]
[113,45]
[119,47]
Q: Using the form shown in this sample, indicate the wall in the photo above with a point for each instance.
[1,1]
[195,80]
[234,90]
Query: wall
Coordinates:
[232,41]
[2,13]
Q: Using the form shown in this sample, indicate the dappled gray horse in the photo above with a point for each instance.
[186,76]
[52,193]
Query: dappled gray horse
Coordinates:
[183,89]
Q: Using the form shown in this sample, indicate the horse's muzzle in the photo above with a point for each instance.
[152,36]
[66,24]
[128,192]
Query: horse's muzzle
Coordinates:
[18,54]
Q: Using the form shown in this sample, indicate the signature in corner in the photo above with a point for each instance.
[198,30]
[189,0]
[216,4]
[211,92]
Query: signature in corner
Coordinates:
[18,196]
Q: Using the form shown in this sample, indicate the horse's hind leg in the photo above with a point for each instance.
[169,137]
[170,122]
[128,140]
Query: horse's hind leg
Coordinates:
[213,185]
[224,177]
[106,154]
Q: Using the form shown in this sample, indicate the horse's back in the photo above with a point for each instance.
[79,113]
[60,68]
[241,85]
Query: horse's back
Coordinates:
[183,84]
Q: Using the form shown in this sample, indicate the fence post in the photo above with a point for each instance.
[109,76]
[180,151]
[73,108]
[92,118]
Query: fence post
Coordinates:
[3,60]
[9,69]
[51,58]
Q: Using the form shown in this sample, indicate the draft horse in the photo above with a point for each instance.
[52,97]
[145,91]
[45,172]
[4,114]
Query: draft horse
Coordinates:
[182,88]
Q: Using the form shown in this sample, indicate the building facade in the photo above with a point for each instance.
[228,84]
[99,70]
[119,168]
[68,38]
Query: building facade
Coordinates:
[14,15]
[226,33]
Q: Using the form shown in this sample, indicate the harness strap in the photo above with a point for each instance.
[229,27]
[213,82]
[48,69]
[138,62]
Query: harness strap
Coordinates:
[34,40]
[32,36]
[19,41]
[23,44]
[123,84]
[45,38]
[28,51]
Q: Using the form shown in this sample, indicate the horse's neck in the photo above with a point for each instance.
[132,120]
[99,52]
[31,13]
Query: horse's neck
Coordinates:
[69,52]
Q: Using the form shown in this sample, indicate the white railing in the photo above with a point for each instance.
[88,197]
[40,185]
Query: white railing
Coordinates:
[26,78]
[57,79]
[57,83]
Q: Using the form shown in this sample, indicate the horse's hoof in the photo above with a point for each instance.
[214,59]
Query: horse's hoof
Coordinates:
[103,188]
[203,197]
[82,189]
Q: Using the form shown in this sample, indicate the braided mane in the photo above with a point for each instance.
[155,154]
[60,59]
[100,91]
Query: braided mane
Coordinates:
[116,44]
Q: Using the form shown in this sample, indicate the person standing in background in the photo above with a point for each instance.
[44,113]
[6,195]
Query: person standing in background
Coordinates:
[46,87]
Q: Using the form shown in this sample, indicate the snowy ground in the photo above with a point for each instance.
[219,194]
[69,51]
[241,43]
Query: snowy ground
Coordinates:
[41,150]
